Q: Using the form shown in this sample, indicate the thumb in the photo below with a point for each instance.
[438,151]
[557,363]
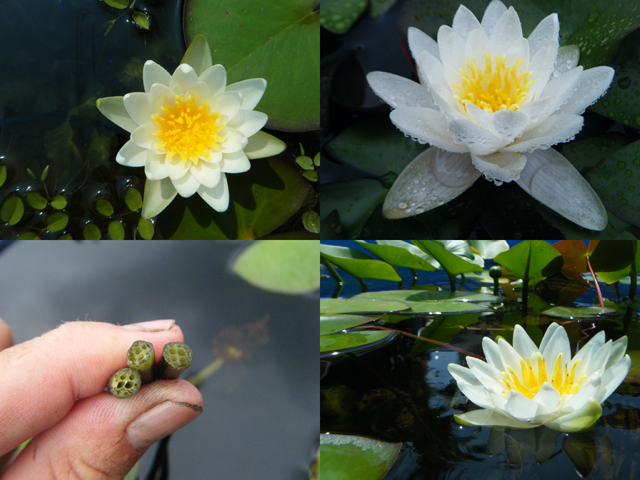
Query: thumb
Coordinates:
[102,437]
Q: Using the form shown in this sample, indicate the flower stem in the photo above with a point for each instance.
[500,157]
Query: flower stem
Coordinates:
[176,358]
[206,372]
[124,383]
[595,280]
[141,357]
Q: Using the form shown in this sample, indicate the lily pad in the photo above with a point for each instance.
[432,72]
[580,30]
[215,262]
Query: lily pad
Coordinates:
[534,260]
[56,221]
[278,41]
[338,16]
[424,302]
[262,199]
[353,340]
[330,306]
[333,324]
[346,457]
[282,266]
[450,263]
[397,256]
[579,312]
[35,200]
[358,264]
[12,210]
[428,295]
[585,154]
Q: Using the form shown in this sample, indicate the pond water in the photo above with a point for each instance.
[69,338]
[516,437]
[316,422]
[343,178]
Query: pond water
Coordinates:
[401,391]
[260,417]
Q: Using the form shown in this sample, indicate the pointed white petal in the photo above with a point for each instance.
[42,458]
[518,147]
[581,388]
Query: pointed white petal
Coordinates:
[568,57]
[207,174]
[506,124]
[200,92]
[510,356]
[426,125]
[198,55]
[216,79]
[491,16]
[132,155]
[251,90]
[231,140]
[236,162]
[143,135]
[541,66]
[161,95]
[432,179]
[555,129]
[139,106]
[588,389]
[592,85]
[464,22]
[227,103]
[217,197]
[263,145]
[154,73]
[507,30]
[523,343]
[155,168]
[577,421]
[492,354]
[470,386]
[248,122]
[613,377]
[157,196]
[398,91]
[452,53]
[183,79]
[187,185]
[175,168]
[557,344]
[475,139]
[547,29]
[617,351]
[419,41]
[552,180]
[490,417]
[500,167]
[113,108]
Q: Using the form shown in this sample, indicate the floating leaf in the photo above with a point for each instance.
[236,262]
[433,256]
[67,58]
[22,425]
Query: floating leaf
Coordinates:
[337,324]
[35,200]
[3,174]
[397,256]
[450,263]
[116,230]
[104,207]
[311,221]
[346,457]
[56,221]
[425,302]
[12,210]
[141,19]
[133,199]
[338,16]
[91,232]
[283,266]
[353,340]
[305,162]
[330,306]
[534,260]
[310,175]
[59,202]
[146,228]
[28,236]
[119,4]
[278,41]
[579,312]
[358,264]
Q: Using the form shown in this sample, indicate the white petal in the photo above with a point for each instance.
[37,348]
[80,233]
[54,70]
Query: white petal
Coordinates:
[613,377]
[507,30]
[477,44]
[227,103]
[398,91]
[187,185]
[143,135]
[139,106]
[600,357]
[523,343]
[551,330]
[452,53]
[175,168]
[248,122]
[588,389]
[546,30]
[113,108]
[217,197]
[432,179]
[440,90]
[465,21]
[584,355]
[541,66]
[251,90]
[492,354]
[473,138]
[200,92]
[207,174]
[501,166]
[157,195]
[161,95]
[154,73]
[490,417]
[568,57]
[558,91]
[198,55]
[556,129]
[426,125]
[557,344]
[236,162]
[470,386]
[263,145]
[506,124]
[510,356]
[232,140]
[183,79]
[419,41]
[216,79]
[525,409]
[155,168]
[552,180]
[132,155]
[518,50]
[491,15]
[617,351]
[592,85]
[578,420]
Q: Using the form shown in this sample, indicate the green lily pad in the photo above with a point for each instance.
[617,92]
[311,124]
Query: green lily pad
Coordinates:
[91,232]
[262,199]
[283,266]
[3,174]
[59,202]
[426,302]
[585,154]
[35,200]
[617,181]
[311,221]
[352,340]
[278,41]
[56,221]
[354,202]
[431,295]
[305,162]
[145,229]
[358,264]
[450,263]
[104,207]
[12,210]
[347,457]
[397,256]
[333,324]
[133,199]
[612,259]
[338,16]
[329,306]
[375,146]
[579,312]
[141,19]
[534,260]
[116,230]
[119,4]
[28,236]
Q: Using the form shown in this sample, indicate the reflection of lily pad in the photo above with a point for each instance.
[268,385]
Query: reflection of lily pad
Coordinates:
[355,305]
[580,312]
[345,457]
[278,41]
[262,199]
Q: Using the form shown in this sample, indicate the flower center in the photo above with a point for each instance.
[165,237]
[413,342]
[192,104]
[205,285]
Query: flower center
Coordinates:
[187,130]
[529,383]
[497,88]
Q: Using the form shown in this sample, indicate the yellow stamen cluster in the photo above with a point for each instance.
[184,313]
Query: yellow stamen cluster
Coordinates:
[497,88]
[187,130]
[529,383]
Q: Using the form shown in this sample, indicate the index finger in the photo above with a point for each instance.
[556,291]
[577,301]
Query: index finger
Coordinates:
[41,379]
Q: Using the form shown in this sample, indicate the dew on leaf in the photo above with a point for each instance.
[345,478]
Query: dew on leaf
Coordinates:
[622,165]
[624,82]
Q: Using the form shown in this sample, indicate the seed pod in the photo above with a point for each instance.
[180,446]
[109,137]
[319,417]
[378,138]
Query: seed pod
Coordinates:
[176,358]
[141,357]
[124,383]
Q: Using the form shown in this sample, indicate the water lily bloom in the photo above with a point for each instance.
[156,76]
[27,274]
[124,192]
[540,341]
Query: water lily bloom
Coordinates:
[189,129]
[523,386]
[492,103]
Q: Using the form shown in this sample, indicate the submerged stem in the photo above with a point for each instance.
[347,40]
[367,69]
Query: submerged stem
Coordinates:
[206,372]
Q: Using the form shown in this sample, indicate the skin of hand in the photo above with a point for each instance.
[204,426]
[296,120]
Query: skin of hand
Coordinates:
[51,390]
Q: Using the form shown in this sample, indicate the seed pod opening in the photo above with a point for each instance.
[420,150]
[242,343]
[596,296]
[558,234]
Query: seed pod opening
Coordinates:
[176,358]
[124,383]
[141,357]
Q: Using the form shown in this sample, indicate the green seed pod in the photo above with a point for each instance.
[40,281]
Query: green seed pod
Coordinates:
[176,358]
[124,383]
[141,357]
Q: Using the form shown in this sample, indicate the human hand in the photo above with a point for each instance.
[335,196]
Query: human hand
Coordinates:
[51,390]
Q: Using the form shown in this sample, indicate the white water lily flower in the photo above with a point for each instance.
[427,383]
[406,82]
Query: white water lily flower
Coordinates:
[492,103]
[190,129]
[524,386]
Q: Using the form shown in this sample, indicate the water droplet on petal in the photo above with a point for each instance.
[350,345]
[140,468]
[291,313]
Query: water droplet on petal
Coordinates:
[402,205]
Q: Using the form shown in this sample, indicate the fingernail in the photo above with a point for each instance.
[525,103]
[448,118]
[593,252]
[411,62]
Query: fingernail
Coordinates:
[152,326]
[159,422]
